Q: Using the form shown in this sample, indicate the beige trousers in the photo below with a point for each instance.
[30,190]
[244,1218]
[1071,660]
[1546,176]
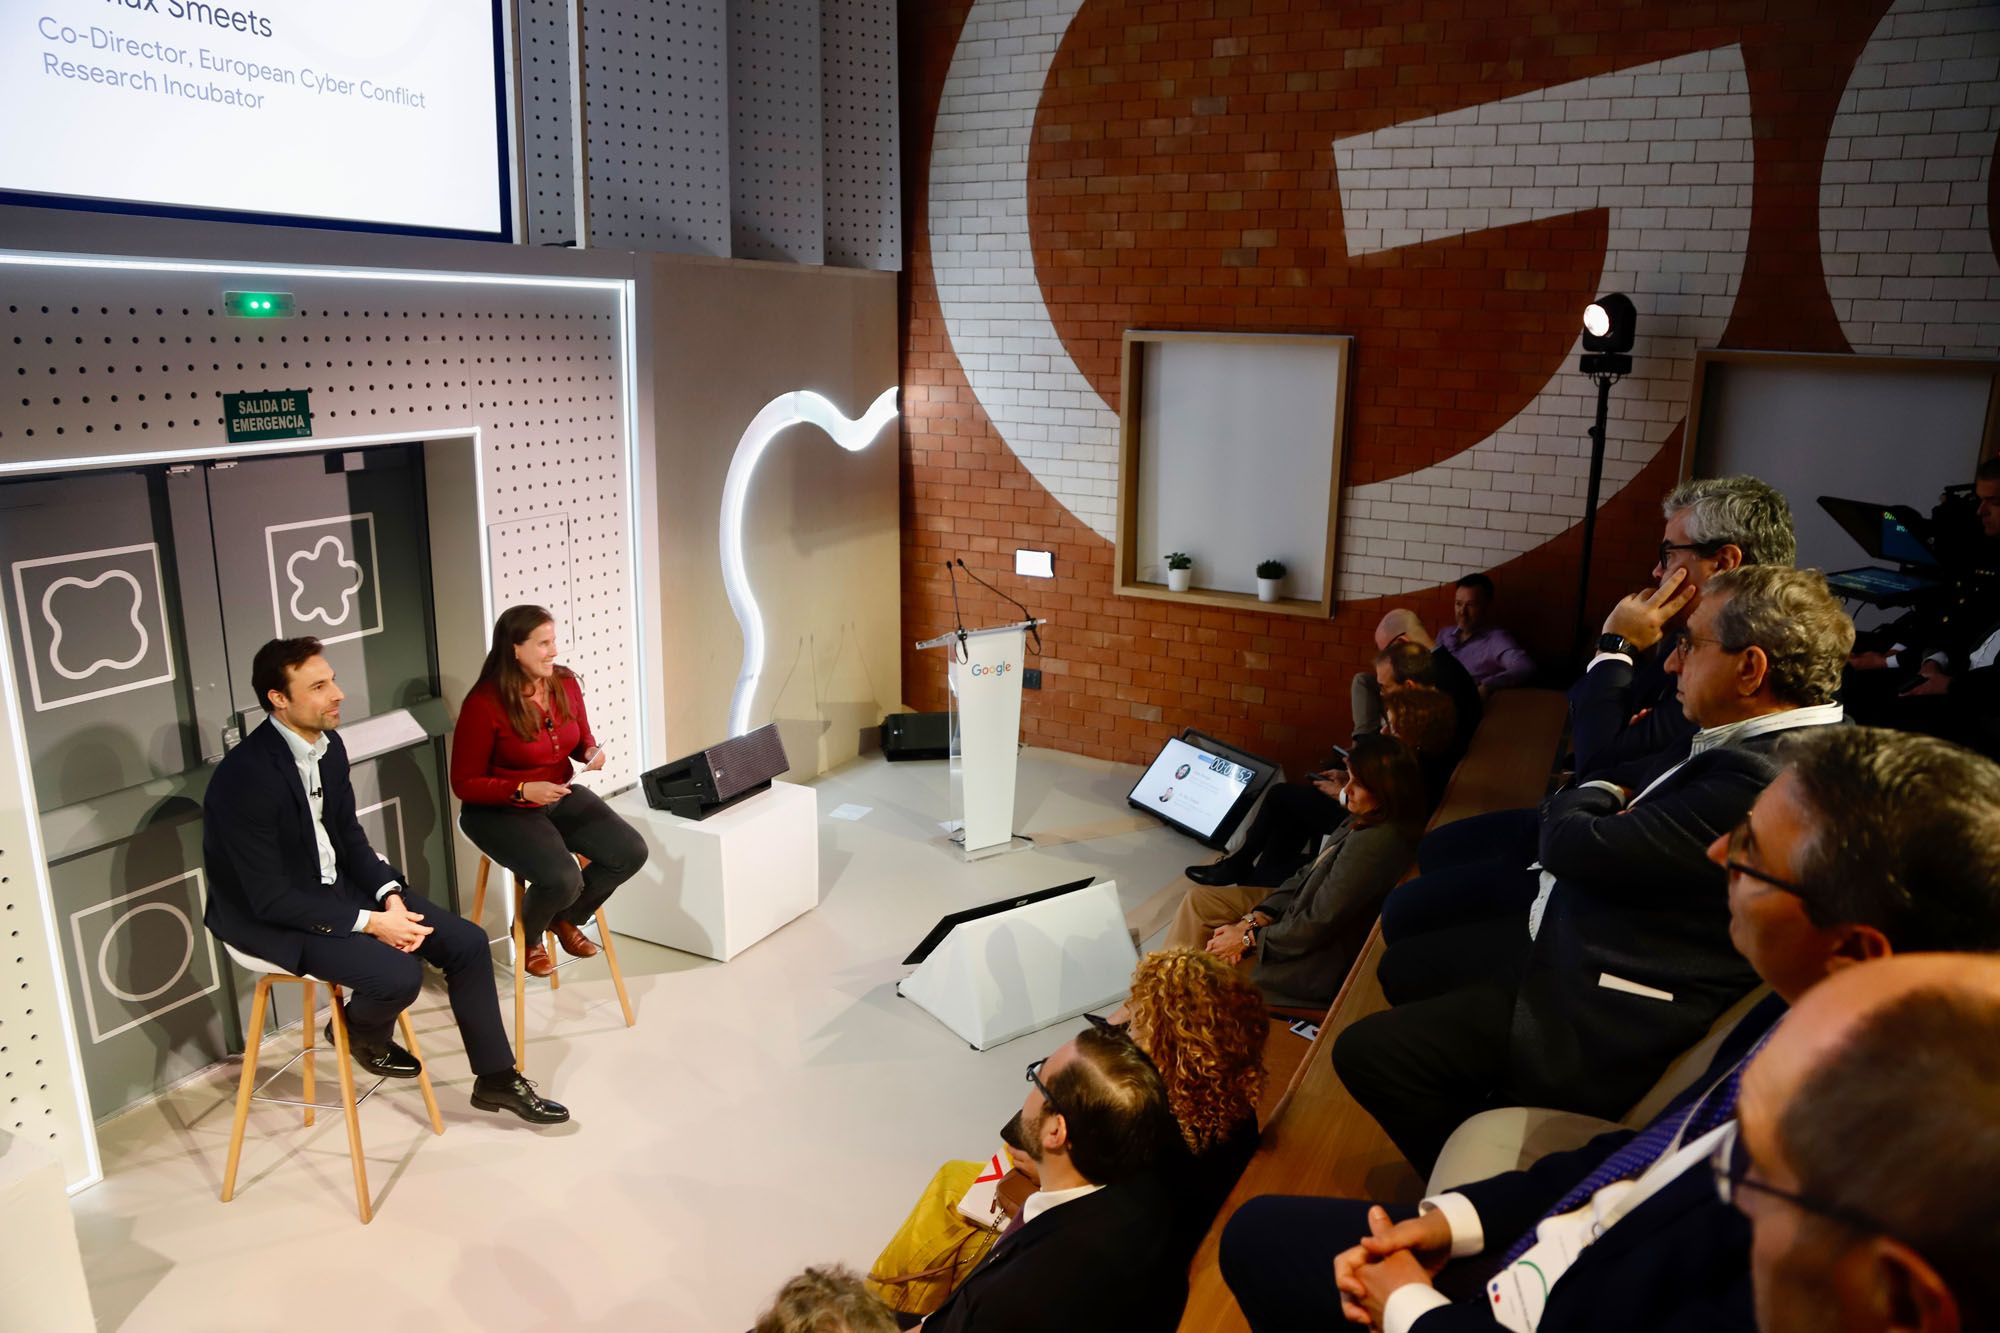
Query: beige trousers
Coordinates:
[1205,907]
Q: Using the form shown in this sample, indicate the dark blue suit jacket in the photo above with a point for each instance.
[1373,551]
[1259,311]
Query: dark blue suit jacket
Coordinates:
[1678,1263]
[264,890]
[1601,705]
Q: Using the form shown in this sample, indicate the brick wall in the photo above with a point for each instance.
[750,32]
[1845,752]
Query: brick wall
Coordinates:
[1448,180]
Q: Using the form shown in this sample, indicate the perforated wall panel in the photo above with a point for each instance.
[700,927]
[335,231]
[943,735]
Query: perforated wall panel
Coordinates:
[774,130]
[548,120]
[859,128]
[656,121]
[107,362]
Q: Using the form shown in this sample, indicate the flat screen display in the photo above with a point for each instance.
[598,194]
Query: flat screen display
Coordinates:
[380,115]
[1200,786]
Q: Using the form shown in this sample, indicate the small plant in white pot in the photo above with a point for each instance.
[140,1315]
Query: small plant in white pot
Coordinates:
[1270,576]
[1180,571]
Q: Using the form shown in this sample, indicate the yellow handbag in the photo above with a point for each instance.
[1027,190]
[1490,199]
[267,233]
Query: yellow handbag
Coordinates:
[935,1247]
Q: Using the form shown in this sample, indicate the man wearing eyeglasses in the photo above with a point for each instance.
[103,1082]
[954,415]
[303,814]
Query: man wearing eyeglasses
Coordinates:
[1624,959]
[1095,1247]
[1871,843]
[1865,1155]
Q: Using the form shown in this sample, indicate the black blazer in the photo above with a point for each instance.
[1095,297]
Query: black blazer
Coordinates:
[1636,901]
[1456,681]
[1601,705]
[1679,1261]
[1110,1260]
[264,891]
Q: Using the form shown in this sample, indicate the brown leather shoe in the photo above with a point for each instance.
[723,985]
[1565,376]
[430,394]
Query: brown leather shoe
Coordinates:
[537,960]
[574,942]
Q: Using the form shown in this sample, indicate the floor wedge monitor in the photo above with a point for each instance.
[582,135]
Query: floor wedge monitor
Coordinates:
[716,778]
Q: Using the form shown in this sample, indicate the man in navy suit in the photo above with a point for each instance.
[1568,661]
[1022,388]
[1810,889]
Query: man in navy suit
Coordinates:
[293,881]
[1870,843]
[1623,960]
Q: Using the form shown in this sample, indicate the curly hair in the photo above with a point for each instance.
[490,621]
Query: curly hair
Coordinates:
[1421,717]
[1203,1025]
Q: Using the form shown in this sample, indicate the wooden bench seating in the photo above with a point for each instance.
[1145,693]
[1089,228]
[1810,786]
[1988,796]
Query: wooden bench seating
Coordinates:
[1316,1139]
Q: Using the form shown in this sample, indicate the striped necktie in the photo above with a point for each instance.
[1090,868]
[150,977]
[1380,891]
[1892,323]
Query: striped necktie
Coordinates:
[1671,1128]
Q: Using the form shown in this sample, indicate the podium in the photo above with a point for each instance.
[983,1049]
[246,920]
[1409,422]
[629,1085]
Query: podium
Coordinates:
[985,679]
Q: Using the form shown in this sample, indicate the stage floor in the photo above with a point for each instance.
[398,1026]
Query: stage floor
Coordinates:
[782,1109]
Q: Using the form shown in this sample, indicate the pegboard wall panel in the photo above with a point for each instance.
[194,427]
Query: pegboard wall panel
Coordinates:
[548,120]
[656,124]
[106,362]
[774,130]
[859,130]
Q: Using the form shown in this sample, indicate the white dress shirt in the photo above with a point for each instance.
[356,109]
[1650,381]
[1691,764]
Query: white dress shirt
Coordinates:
[1042,1200]
[307,757]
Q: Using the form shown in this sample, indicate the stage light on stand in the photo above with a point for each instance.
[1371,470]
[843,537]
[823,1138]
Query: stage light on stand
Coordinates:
[1609,326]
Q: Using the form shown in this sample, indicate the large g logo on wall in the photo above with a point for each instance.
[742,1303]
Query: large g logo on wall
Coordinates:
[325,578]
[94,624]
[1664,148]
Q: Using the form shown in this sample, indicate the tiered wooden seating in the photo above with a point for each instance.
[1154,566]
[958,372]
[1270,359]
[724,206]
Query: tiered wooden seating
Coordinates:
[1316,1140]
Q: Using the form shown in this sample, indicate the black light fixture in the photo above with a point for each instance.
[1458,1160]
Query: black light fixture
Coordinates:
[1609,324]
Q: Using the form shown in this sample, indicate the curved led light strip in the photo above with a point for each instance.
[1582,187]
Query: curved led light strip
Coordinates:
[787,409]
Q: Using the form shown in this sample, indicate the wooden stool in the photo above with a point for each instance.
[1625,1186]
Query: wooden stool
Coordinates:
[521,949]
[246,1088]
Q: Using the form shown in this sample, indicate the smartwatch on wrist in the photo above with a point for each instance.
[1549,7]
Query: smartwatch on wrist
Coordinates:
[1613,643]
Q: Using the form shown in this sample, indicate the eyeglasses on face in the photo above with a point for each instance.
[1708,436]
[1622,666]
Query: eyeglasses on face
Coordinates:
[1035,1077]
[1682,643]
[1734,851]
[1704,549]
[1731,1165]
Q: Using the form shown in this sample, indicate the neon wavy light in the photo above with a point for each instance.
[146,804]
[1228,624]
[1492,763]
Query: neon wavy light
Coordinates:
[787,409]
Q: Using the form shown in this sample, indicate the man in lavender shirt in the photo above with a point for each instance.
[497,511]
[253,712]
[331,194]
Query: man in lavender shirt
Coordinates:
[1490,653]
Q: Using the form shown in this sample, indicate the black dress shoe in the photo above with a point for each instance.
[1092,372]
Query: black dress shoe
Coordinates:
[1228,870]
[386,1061]
[510,1092]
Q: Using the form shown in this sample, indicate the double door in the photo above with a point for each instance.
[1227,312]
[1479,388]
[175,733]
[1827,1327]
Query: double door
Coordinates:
[135,603]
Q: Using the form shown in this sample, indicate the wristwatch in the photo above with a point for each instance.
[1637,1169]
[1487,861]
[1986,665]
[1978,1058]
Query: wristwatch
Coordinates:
[520,793]
[1613,643]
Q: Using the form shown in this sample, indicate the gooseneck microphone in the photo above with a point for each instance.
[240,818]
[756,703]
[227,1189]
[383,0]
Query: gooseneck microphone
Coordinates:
[958,617]
[1034,630]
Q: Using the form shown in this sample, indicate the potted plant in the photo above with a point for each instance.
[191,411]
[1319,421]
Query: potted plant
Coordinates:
[1270,574]
[1180,571]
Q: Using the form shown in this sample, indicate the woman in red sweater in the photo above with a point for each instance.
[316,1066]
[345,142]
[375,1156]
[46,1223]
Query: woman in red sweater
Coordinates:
[518,731]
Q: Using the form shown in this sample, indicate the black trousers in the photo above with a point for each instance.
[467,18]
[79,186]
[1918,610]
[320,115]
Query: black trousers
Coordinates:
[540,846]
[1277,1256]
[1287,830]
[1510,837]
[382,981]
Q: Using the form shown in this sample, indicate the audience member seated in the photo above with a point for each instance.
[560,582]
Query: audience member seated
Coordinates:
[1625,707]
[825,1300]
[1299,942]
[1625,959]
[1869,843]
[1406,654]
[1426,721]
[1098,1244]
[1866,1158]
[1938,669]
[293,883]
[1493,657]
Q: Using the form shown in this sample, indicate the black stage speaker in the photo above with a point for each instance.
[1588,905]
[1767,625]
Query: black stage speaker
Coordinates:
[718,777]
[916,736]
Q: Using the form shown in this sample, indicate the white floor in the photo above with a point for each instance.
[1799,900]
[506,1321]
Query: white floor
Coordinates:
[780,1110]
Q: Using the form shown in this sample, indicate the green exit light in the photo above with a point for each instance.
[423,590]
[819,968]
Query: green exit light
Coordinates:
[259,305]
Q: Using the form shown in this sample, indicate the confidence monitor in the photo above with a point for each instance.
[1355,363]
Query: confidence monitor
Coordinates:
[994,972]
[716,778]
[1201,786]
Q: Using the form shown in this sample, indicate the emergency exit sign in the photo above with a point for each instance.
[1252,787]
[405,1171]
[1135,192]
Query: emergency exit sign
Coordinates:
[282,414]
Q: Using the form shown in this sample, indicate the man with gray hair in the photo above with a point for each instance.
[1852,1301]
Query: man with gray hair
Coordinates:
[1624,709]
[1626,959]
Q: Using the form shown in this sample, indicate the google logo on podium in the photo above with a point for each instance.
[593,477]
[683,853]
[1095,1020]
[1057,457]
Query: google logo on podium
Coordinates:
[981,669]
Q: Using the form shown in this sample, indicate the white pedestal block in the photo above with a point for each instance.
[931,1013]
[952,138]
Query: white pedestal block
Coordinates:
[41,1269]
[718,885]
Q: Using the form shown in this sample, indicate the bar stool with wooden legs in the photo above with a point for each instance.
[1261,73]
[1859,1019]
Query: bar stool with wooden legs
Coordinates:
[521,949]
[247,1086]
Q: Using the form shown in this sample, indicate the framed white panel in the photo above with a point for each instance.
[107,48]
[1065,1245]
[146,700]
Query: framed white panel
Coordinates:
[860,131]
[774,130]
[184,972]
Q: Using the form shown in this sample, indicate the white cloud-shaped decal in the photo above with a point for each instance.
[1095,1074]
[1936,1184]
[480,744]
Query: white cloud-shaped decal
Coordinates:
[347,594]
[56,628]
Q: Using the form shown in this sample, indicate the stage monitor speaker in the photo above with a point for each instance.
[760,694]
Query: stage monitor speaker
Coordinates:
[916,736]
[993,973]
[718,777]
